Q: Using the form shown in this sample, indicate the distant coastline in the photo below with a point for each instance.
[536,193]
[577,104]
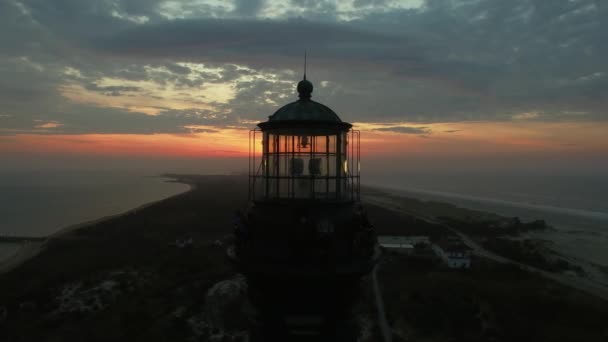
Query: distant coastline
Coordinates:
[172,179]
[552,245]
[480,199]
[580,234]
[25,251]
[29,250]
[44,203]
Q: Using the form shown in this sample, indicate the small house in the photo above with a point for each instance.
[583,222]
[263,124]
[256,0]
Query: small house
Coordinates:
[455,254]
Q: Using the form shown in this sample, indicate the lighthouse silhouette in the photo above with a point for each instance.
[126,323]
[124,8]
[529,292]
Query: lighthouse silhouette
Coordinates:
[305,241]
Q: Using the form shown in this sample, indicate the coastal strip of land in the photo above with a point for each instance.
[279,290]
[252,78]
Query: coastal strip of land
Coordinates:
[495,298]
[432,216]
[128,275]
[146,275]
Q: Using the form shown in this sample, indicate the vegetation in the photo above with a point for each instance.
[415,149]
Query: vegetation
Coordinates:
[490,302]
[495,227]
[530,252]
[157,287]
[125,279]
[389,222]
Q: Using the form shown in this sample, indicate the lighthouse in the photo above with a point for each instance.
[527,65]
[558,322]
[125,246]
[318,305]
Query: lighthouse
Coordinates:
[305,242]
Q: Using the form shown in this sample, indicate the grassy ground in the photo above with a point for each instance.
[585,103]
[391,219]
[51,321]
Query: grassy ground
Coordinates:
[489,302]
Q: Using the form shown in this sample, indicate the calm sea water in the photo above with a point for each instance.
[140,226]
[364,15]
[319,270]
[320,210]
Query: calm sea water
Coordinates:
[38,203]
[587,192]
[576,205]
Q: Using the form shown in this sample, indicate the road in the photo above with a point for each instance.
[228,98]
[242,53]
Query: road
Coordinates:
[579,283]
[382,322]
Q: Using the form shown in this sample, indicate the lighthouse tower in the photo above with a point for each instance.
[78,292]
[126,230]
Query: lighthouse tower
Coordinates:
[305,241]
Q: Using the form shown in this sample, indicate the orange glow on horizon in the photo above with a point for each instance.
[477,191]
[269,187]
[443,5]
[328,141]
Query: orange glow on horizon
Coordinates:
[445,140]
[478,139]
[224,143]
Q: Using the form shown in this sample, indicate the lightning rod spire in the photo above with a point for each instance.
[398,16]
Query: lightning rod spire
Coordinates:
[304,64]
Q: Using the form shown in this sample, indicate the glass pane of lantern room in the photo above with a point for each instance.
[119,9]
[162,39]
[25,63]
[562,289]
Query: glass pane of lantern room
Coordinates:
[284,143]
[320,143]
[292,143]
[270,141]
[332,143]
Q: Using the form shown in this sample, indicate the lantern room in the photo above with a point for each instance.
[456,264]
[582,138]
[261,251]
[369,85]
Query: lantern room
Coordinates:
[304,152]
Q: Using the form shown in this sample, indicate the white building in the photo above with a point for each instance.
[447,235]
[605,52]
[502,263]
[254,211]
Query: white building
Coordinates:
[401,244]
[454,254]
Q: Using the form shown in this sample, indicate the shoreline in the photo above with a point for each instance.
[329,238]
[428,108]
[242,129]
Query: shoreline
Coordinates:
[29,250]
[76,226]
[485,201]
[577,234]
[25,251]
[595,282]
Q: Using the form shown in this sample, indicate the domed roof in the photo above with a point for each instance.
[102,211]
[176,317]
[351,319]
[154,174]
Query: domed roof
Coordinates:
[305,109]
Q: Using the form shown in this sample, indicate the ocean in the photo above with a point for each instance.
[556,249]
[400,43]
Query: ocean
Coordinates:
[39,203]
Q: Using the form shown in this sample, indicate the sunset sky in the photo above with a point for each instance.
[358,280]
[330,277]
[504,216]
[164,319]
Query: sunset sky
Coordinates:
[516,83]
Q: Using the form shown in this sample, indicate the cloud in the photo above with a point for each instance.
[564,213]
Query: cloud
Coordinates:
[248,7]
[255,43]
[48,125]
[201,129]
[364,3]
[111,90]
[405,130]
[222,63]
